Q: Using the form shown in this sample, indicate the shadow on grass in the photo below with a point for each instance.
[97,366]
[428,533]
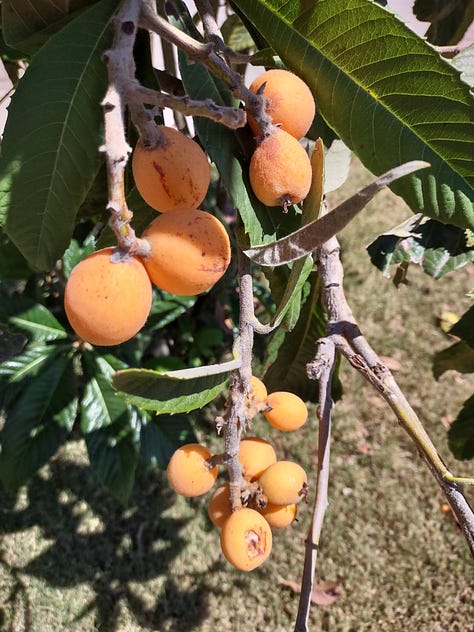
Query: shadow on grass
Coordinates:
[130,545]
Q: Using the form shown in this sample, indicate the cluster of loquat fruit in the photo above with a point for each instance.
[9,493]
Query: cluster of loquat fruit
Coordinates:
[108,294]
[271,488]
[189,248]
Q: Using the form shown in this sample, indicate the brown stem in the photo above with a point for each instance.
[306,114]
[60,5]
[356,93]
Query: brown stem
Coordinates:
[321,369]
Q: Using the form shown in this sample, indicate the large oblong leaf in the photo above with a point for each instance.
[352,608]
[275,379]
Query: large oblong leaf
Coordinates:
[173,391]
[389,96]
[50,152]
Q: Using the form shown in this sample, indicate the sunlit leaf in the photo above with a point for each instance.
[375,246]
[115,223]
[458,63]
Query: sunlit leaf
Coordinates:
[387,94]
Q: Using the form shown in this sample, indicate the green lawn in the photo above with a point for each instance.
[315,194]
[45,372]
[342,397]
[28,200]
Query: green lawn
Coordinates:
[72,560]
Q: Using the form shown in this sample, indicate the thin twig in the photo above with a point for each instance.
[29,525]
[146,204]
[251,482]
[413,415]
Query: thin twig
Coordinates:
[321,368]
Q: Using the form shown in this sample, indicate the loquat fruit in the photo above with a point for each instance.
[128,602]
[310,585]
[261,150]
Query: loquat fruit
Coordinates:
[108,297]
[246,539]
[280,170]
[190,251]
[174,175]
[284,483]
[291,103]
[286,411]
[188,471]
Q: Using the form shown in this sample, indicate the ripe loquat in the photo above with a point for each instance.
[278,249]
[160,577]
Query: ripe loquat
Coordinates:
[173,175]
[279,516]
[188,471]
[108,297]
[190,251]
[284,483]
[255,456]
[246,539]
[291,104]
[286,411]
[219,507]
[280,170]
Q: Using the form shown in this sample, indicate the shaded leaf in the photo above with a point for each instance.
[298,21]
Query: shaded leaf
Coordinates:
[28,362]
[387,94]
[449,19]
[464,327]
[459,357]
[50,147]
[11,343]
[13,264]
[162,436]
[113,456]
[438,248]
[236,35]
[461,432]
[38,422]
[100,406]
[289,353]
[305,240]
[75,253]
[173,392]
[26,25]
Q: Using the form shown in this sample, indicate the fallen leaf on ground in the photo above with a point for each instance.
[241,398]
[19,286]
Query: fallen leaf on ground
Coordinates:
[323,594]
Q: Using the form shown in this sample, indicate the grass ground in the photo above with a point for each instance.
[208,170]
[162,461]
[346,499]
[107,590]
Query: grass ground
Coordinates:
[71,560]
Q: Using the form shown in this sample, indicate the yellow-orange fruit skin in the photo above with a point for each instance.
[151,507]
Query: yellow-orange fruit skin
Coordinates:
[255,455]
[107,301]
[288,411]
[187,471]
[279,516]
[280,170]
[174,175]
[291,101]
[190,251]
[219,507]
[284,482]
[246,539]
[258,390]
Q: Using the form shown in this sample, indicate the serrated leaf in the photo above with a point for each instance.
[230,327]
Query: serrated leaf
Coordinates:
[113,456]
[438,248]
[305,240]
[26,24]
[464,328]
[176,391]
[459,357]
[50,147]
[162,436]
[38,422]
[388,95]
[461,432]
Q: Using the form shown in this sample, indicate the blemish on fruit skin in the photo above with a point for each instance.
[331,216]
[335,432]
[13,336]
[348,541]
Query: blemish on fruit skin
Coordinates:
[255,542]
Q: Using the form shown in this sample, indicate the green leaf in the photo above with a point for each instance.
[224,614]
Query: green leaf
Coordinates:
[40,324]
[461,432]
[113,456]
[449,19]
[305,240]
[11,343]
[50,147]
[236,35]
[26,25]
[27,363]
[100,406]
[13,264]
[438,248]
[175,391]
[464,328]
[388,95]
[167,307]
[458,357]
[75,253]
[38,422]
[289,353]
[162,436]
